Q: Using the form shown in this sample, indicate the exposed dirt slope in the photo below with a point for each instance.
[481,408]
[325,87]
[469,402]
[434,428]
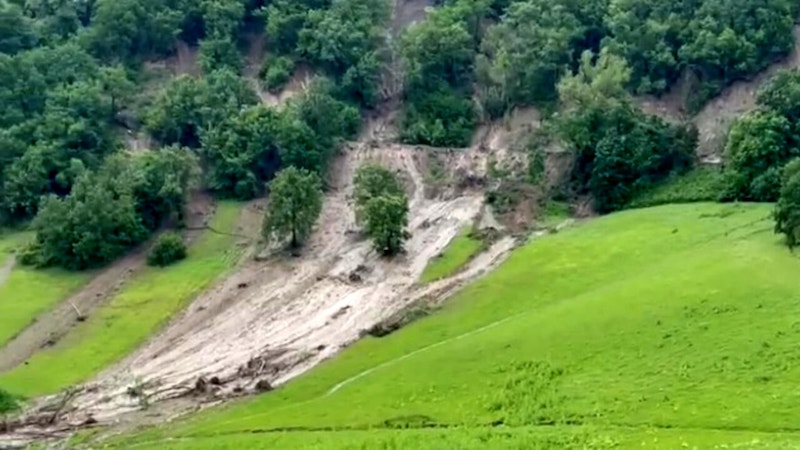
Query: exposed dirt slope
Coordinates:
[716,117]
[277,318]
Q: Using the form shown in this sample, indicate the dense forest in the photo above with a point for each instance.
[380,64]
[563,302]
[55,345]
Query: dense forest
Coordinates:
[73,74]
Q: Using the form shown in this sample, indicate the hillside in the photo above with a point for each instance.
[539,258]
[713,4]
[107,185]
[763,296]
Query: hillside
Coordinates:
[665,328]
[398,224]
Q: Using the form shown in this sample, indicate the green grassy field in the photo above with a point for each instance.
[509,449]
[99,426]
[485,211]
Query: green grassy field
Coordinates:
[457,253]
[28,292]
[141,307]
[668,327]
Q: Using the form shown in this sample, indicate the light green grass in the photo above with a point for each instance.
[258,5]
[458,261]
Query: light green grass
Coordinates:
[702,184]
[457,253]
[470,438]
[669,327]
[144,304]
[28,292]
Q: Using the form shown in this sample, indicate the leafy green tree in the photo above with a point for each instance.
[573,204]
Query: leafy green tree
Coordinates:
[117,87]
[782,95]
[284,20]
[16,30]
[648,34]
[247,149]
[177,114]
[328,117]
[128,30]
[276,72]
[57,20]
[222,18]
[787,210]
[759,145]
[188,105]
[94,224]
[618,149]
[440,49]
[161,184]
[295,202]
[219,53]
[385,219]
[168,249]
[527,52]
[338,37]
[373,180]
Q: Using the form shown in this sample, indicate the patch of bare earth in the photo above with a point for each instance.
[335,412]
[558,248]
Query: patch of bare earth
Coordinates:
[716,117]
[254,59]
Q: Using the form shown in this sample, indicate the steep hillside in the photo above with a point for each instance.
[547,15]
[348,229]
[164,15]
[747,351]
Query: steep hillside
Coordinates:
[665,328]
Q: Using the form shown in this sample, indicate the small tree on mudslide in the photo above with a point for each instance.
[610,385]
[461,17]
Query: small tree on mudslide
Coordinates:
[381,208]
[385,220]
[295,202]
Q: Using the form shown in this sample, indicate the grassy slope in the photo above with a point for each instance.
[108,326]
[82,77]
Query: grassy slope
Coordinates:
[665,327]
[453,258]
[145,303]
[28,292]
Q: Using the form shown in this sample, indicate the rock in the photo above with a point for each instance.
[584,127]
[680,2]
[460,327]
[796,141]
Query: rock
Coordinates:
[263,386]
[215,381]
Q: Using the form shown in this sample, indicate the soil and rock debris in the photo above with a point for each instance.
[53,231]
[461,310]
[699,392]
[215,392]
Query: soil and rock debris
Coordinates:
[279,315]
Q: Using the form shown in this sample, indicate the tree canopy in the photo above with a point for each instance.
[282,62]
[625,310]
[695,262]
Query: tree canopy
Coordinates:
[294,206]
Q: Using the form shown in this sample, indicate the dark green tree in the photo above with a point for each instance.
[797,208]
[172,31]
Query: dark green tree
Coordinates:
[385,219]
[373,180]
[295,202]
[759,145]
[787,210]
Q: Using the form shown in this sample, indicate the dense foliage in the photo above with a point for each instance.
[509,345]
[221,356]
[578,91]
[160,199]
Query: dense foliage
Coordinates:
[294,206]
[168,249]
[619,150]
[717,42]
[787,210]
[111,210]
[7,403]
[762,142]
[381,208]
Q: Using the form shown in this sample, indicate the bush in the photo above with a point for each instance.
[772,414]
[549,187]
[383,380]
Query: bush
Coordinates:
[7,402]
[275,73]
[169,248]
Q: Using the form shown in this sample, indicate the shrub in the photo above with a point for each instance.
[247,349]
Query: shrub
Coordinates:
[7,402]
[169,248]
[276,72]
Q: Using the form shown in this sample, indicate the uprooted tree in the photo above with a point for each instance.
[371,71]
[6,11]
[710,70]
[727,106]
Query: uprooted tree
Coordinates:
[381,208]
[295,202]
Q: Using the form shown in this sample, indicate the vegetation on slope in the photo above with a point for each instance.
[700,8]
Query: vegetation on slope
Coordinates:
[702,184]
[26,292]
[457,253]
[677,317]
[132,315]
